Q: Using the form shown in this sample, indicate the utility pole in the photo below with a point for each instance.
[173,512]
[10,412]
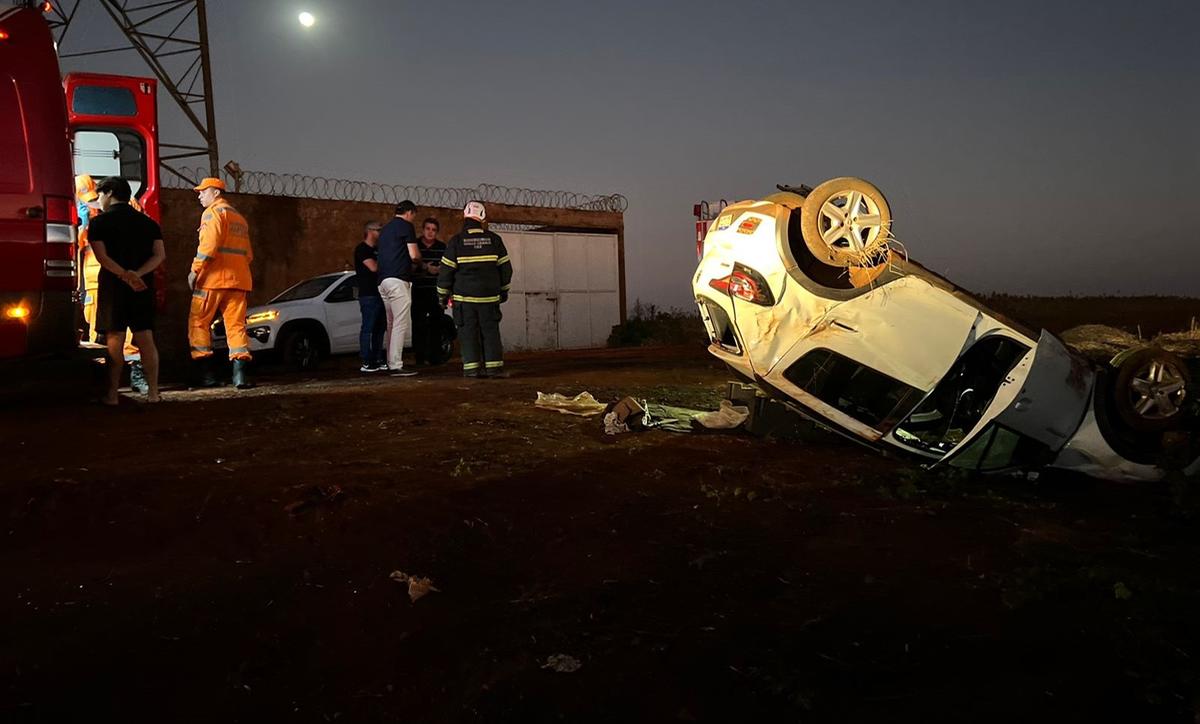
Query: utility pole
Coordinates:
[171,36]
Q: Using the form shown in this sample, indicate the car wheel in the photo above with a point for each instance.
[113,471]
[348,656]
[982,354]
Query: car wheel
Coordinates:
[846,222]
[1150,389]
[301,349]
[448,333]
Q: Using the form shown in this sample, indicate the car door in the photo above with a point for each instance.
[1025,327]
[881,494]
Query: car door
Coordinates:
[342,316]
[114,131]
[1036,411]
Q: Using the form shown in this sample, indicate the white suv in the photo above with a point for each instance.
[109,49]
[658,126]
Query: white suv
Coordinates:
[806,294]
[312,319]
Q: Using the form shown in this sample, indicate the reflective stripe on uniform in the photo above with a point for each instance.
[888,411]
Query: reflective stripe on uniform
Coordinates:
[203,257]
[443,292]
[502,260]
[449,262]
[476,300]
[470,365]
[476,259]
[199,293]
[196,348]
[474,231]
[239,350]
[492,365]
[505,287]
[231,250]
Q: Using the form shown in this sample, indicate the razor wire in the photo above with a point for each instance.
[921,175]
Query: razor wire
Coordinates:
[335,189]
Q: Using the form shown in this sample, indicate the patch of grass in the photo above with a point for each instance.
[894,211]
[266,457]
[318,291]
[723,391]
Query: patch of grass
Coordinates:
[648,325]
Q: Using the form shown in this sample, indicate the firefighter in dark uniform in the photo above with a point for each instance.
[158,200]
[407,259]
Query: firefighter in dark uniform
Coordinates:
[476,273]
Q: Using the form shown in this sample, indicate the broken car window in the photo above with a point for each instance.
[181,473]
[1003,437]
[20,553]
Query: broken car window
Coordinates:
[866,395]
[999,448]
[958,402]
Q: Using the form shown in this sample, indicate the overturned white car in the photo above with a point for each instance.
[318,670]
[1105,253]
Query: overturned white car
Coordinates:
[806,294]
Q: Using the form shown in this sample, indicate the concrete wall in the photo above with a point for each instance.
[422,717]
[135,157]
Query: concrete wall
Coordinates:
[298,238]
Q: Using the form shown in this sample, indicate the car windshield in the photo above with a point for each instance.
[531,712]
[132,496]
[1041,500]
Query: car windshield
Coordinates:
[308,288]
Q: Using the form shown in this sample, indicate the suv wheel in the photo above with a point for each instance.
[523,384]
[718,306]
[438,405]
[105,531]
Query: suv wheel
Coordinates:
[302,349]
[1150,390]
[846,222]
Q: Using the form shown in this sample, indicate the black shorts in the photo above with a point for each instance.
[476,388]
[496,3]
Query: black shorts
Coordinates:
[118,308]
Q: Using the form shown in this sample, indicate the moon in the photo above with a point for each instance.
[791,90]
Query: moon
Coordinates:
[307,19]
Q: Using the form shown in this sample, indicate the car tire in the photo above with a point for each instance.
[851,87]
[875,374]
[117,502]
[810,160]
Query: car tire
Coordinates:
[302,349]
[1150,389]
[840,240]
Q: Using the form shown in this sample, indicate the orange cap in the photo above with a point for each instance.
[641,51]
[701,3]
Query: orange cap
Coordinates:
[210,183]
[85,188]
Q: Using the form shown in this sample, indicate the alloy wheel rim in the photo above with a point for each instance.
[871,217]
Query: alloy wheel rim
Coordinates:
[851,221]
[1157,391]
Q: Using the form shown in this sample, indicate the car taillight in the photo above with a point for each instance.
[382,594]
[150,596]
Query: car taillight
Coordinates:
[60,243]
[745,284]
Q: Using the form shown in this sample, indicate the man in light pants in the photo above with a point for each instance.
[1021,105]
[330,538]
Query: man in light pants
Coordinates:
[399,263]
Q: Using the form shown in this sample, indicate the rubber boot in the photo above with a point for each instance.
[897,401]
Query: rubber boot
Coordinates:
[137,378]
[241,374]
[202,373]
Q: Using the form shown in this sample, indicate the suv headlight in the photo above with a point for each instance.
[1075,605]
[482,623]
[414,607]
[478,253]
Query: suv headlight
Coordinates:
[259,317]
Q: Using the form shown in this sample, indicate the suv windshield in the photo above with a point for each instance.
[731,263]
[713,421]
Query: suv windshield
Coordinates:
[307,289]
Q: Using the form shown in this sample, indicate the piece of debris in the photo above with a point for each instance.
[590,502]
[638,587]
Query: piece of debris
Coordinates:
[630,414]
[582,404]
[418,586]
[613,426]
[563,664]
[316,495]
[726,417]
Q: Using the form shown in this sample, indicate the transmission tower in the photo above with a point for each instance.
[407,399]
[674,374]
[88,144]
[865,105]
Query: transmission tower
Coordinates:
[171,36]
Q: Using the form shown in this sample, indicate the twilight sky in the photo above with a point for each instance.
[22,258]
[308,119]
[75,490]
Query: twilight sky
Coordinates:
[1042,147]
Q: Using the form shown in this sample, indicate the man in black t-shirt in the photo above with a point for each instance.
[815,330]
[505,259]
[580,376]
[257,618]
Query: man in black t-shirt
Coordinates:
[129,247]
[366,269]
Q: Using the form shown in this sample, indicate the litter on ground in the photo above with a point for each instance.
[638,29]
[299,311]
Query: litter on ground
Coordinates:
[630,414]
[562,663]
[582,404]
[417,585]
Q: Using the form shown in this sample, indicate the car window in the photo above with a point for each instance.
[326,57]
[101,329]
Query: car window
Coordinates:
[347,291]
[308,288]
[999,448]
[103,153]
[867,395]
[960,398]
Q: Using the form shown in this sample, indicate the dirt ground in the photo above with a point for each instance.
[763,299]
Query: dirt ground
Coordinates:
[192,562]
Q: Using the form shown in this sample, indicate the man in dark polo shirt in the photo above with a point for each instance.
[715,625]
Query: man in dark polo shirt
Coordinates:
[129,247]
[370,305]
[399,263]
[426,312]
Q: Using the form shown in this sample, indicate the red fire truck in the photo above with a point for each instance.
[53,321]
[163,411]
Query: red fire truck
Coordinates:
[52,128]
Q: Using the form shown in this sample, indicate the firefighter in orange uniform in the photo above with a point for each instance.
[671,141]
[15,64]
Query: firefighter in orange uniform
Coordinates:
[220,280]
[85,195]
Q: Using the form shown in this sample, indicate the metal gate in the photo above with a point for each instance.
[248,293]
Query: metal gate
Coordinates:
[565,290]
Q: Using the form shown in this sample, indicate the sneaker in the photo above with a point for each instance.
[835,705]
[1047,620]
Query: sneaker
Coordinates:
[368,368]
[404,372]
